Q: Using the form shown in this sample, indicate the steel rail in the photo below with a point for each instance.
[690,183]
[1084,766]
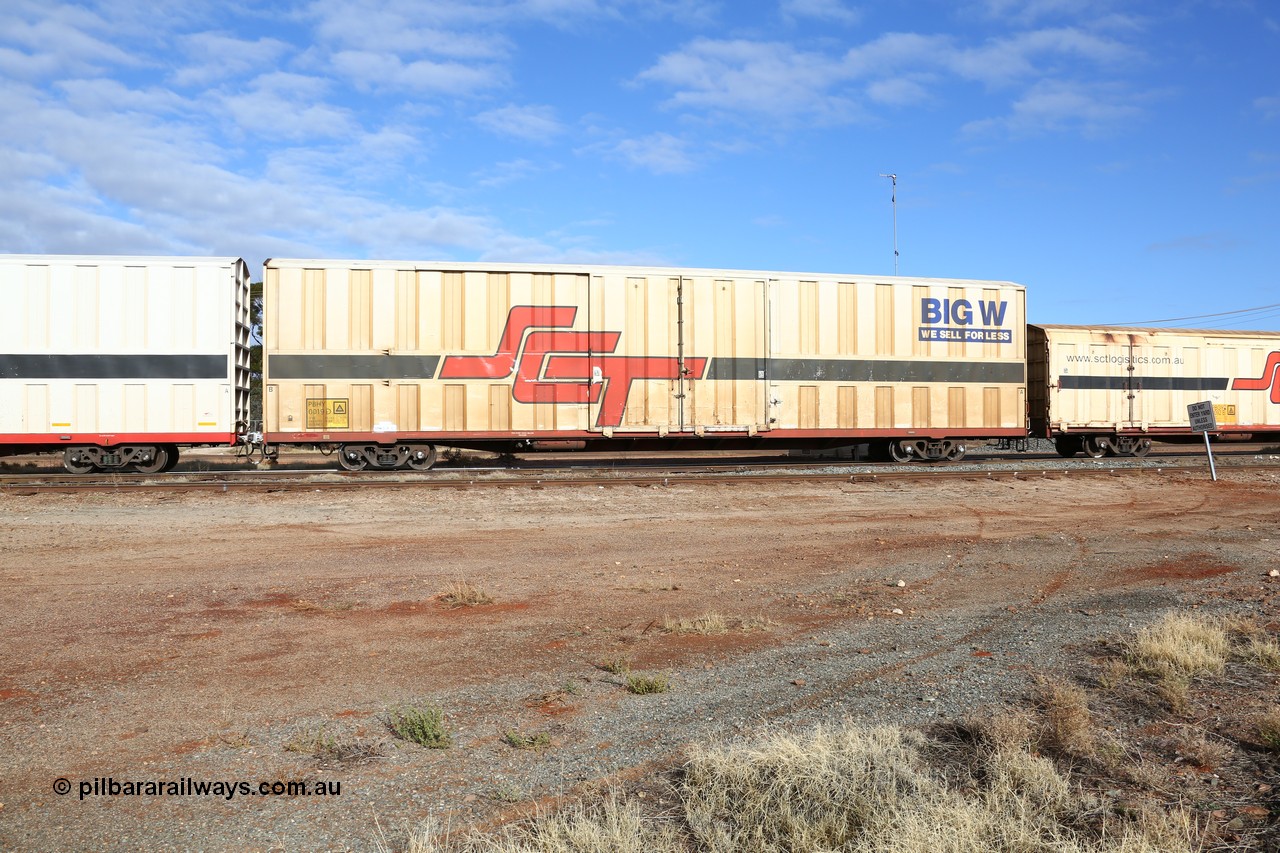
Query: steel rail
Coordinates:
[247,481]
[598,468]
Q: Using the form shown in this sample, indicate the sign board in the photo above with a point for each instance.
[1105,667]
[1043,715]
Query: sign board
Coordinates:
[327,413]
[1202,417]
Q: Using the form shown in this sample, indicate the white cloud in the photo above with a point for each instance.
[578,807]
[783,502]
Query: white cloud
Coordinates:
[1268,106]
[1015,58]
[288,106]
[533,123]
[215,57]
[785,83]
[103,95]
[825,10]
[767,78]
[897,92]
[508,172]
[1055,106]
[458,30]
[54,39]
[372,70]
[660,153]
[1029,11]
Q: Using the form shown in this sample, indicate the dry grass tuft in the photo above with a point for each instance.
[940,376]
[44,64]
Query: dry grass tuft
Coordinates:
[1113,674]
[713,623]
[872,789]
[1269,729]
[1194,747]
[707,623]
[1264,653]
[324,745]
[1176,691]
[610,826]
[1067,725]
[463,594]
[1180,644]
[616,666]
[1003,730]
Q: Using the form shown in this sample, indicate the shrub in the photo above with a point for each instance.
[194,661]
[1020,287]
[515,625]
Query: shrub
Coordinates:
[423,726]
[522,741]
[643,684]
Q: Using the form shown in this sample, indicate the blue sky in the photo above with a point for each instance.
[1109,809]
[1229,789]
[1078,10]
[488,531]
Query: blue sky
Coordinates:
[1122,160]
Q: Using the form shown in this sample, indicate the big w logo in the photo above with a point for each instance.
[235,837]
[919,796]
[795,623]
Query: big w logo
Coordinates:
[1270,378]
[554,365]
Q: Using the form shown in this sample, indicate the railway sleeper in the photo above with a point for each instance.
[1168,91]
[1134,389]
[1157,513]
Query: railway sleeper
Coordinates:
[142,458]
[386,457]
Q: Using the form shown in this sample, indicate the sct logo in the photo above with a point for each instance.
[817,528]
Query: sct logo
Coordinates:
[1270,378]
[554,365]
[959,312]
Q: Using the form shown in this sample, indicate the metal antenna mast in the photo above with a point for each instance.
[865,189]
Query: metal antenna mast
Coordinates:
[894,201]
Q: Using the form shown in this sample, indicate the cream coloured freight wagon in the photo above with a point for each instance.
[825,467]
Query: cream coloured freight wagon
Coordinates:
[1111,390]
[391,359]
[118,361]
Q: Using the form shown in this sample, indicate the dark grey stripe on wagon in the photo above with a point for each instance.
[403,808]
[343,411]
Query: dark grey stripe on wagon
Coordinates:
[866,370]
[1142,383]
[321,367]
[124,366]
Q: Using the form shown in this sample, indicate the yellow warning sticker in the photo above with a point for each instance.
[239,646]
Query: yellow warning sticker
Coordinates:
[327,413]
[1224,413]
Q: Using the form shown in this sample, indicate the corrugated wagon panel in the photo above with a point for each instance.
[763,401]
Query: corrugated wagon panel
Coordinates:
[975,338]
[93,341]
[1142,380]
[520,350]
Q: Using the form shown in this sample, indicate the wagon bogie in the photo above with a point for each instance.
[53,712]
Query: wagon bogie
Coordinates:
[384,457]
[144,458]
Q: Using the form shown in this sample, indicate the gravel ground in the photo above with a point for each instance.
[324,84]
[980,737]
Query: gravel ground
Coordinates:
[200,635]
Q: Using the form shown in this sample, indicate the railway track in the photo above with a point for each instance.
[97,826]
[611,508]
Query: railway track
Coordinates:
[617,475]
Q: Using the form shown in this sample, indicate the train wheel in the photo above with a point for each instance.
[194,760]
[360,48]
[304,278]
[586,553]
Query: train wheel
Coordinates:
[75,461]
[421,456]
[956,453]
[1094,447]
[1141,448]
[352,458]
[172,450]
[900,452]
[1067,445]
[154,463]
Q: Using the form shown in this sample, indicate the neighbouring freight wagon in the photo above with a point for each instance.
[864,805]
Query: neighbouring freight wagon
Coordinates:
[1110,391]
[118,361]
[386,361]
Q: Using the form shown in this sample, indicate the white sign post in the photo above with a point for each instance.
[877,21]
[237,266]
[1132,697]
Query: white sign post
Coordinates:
[1202,420]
